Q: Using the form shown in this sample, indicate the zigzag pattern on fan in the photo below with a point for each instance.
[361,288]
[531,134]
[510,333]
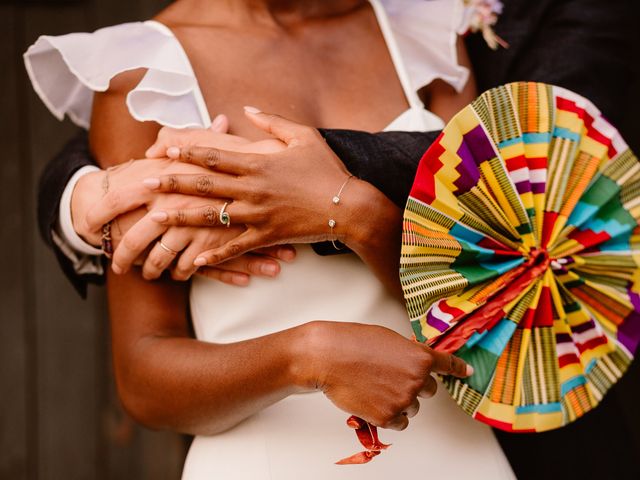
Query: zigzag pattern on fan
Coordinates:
[521,254]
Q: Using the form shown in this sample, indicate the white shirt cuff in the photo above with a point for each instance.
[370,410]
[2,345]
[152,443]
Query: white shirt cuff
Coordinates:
[65,223]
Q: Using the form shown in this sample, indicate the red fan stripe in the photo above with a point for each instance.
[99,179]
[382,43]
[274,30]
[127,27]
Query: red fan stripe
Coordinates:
[570,106]
[544,311]
[568,359]
[424,188]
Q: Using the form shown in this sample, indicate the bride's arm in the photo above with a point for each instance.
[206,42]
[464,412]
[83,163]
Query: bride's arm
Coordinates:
[165,378]
[168,380]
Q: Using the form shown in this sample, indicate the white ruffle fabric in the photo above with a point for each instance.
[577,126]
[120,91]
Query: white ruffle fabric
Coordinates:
[427,34]
[66,70]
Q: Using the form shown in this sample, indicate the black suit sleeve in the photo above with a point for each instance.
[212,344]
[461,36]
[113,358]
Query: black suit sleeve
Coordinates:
[387,160]
[53,181]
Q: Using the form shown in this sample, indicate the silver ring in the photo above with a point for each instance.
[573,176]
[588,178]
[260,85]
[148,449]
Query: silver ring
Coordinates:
[166,249]
[224,217]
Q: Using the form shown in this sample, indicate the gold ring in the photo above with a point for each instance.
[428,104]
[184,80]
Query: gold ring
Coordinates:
[225,218]
[166,249]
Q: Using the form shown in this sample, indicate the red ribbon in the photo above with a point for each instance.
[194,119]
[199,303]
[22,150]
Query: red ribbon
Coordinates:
[368,436]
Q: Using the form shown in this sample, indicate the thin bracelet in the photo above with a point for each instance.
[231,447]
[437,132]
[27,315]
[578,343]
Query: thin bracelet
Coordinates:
[105,242]
[336,201]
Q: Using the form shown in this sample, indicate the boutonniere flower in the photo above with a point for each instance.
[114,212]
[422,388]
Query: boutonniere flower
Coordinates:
[481,16]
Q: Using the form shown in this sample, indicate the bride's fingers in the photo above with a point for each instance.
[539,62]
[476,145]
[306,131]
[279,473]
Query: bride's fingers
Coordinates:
[429,389]
[243,243]
[286,253]
[447,364]
[220,124]
[203,216]
[134,242]
[250,264]
[216,159]
[212,185]
[171,137]
[117,202]
[286,130]
[263,265]
[398,423]
[184,267]
[224,276]
[412,411]
[164,252]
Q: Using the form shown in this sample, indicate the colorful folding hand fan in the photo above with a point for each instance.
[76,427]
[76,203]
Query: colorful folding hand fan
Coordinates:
[521,253]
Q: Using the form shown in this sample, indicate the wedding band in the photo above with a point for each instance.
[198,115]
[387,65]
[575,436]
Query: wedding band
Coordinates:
[166,249]
[224,217]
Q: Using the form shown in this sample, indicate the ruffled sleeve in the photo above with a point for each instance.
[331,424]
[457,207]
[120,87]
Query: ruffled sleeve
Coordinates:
[66,71]
[427,33]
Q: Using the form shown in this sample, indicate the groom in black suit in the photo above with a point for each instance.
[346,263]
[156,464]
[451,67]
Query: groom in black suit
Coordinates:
[584,45]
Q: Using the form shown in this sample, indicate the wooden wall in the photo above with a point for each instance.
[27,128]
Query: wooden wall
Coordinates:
[59,416]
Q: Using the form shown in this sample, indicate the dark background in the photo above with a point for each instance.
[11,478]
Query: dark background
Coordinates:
[59,415]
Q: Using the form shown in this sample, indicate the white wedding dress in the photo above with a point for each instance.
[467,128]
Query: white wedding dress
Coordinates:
[302,436]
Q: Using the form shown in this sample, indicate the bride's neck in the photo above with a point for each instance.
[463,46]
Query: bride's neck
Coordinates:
[281,12]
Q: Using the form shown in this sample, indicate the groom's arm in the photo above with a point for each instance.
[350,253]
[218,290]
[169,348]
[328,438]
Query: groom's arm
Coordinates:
[80,267]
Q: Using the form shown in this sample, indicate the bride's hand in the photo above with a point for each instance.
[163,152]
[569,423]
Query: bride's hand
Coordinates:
[372,372]
[282,197]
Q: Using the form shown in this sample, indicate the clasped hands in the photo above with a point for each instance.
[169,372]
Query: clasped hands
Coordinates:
[277,192]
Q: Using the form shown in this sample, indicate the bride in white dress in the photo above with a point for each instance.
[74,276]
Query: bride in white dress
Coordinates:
[168,380]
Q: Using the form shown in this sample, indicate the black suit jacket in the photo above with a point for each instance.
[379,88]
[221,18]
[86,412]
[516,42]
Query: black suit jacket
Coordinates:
[584,45]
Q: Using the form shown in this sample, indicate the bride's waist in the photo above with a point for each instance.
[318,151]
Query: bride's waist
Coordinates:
[303,435]
[338,288]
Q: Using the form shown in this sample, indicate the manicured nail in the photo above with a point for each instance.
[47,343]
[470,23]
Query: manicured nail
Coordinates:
[159,217]
[200,262]
[151,183]
[116,269]
[240,279]
[217,122]
[173,152]
[269,269]
[252,110]
[286,254]
[469,370]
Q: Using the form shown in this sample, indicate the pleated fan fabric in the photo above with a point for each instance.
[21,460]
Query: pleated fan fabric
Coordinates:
[521,253]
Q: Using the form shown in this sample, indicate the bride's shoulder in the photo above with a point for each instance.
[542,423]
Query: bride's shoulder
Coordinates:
[143,58]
